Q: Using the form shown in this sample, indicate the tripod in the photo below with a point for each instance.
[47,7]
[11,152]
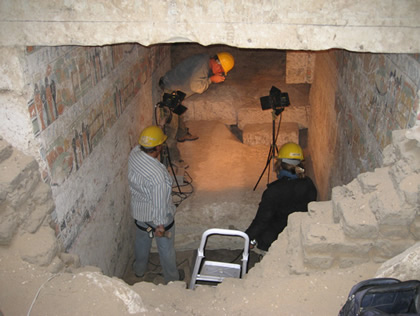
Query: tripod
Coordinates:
[273,147]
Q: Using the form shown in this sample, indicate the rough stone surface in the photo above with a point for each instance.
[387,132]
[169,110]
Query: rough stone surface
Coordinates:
[6,150]
[357,218]
[20,176]
[11,72]
[415,227]
[36,217]
[39,248]
[253,115]
[405,266]
[385,249]
[300,67]
[329,238]
[315,25]
[369,181]
[8,224]
[410,186]
[262,134]
[321,212]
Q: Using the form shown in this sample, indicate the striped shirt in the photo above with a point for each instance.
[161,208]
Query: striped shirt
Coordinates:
[151,188]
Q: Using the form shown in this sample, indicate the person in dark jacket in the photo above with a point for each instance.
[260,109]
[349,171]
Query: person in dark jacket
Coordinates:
[291,192]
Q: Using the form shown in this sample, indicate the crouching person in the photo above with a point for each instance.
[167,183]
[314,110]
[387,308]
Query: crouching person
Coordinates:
[151,204]
[291,192]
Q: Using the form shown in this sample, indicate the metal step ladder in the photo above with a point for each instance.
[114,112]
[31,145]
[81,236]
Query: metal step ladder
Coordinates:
[214,271]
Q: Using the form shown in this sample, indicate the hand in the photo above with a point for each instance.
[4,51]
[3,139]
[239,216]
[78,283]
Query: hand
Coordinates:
[160,231]
[217,78]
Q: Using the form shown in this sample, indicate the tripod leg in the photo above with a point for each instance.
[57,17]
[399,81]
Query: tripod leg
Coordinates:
[272,152]
[270,156]
[168,157]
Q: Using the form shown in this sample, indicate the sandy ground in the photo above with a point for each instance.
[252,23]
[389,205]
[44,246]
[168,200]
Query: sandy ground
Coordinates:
[267,288]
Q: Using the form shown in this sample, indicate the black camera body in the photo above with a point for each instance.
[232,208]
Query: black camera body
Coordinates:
[173,102]
[276,100]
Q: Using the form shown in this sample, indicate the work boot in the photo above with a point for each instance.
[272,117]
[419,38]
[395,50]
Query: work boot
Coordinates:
[187,137]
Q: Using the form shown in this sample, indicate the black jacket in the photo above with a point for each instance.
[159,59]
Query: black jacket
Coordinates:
[280,199]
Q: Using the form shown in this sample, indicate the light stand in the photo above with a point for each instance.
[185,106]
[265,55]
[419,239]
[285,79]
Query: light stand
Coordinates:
[276,101]
[273,147]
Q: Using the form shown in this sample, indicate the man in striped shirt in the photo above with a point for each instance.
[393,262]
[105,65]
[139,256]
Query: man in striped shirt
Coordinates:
[151,204]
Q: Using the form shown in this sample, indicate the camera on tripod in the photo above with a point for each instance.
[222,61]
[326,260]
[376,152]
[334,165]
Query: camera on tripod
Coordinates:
[276,100]
[173,102]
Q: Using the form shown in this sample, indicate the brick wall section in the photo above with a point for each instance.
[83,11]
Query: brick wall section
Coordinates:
[300,67]
[87,109]
[374,94]
[323,120]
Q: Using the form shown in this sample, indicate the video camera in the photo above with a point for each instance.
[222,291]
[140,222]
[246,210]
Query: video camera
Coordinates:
[173,102]
[276,100]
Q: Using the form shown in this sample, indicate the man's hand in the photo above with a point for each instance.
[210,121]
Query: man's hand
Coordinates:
[217,78]
[160,231]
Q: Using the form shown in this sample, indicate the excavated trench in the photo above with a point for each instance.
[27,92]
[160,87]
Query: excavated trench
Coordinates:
[226,165]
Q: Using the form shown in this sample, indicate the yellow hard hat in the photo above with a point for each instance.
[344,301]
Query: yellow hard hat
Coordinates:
[291,153]
[226,60]
[152,136]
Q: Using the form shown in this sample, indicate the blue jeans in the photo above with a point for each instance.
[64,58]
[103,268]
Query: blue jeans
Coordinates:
[166,250]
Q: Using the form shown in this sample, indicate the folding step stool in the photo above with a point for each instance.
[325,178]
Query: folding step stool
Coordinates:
[213,271]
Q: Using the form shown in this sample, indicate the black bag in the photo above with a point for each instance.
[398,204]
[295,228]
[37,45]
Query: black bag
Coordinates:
[383,296]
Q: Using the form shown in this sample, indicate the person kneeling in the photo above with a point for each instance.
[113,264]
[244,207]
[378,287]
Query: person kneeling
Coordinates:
[291,192]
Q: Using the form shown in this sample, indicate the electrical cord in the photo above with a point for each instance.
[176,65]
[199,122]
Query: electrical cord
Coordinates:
[39,290]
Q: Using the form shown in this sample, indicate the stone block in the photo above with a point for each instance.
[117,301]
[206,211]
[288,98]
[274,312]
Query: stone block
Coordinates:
[6,150]
[9,221]
[337,194]
[405,266]
[321,212]
[19,178]
[327,239]
[408,149]
[347,262]
[11,74]
[369,181]
[403,156]
[349,191]
[36,217]
[261,134]
[415,227]
[389,209]
[356,218]
[42,193]
[39,248]
[318,261]
[220,104]
[410,187]
[294,247]
[385,249]
[395,231]
[300,67]
[255,115]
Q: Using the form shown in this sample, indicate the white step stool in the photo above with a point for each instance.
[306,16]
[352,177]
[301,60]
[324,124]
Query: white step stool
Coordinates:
[214,271]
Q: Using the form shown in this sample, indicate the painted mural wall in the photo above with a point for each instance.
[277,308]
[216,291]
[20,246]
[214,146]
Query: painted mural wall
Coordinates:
[374,94]
[87,109]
